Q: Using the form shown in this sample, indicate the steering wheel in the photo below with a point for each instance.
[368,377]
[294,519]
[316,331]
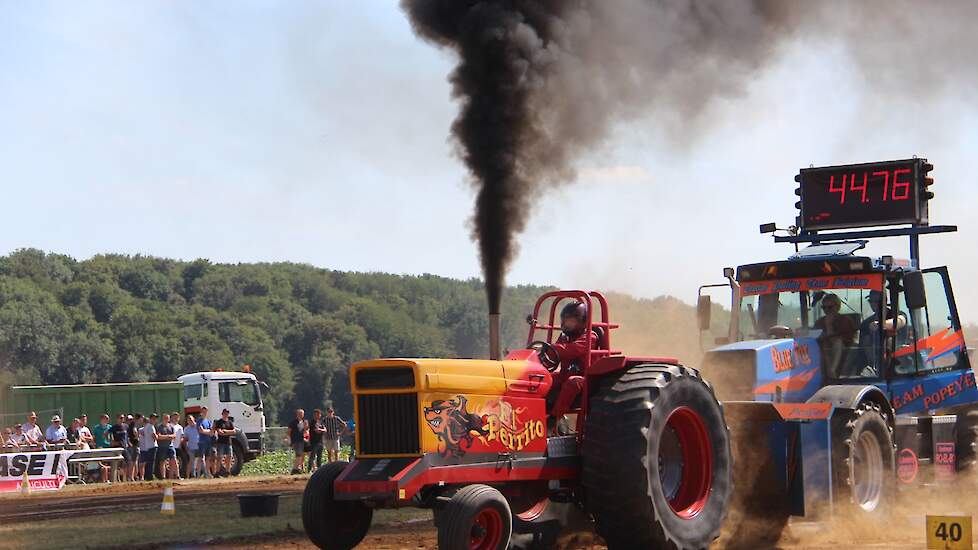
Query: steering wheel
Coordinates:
[548,354]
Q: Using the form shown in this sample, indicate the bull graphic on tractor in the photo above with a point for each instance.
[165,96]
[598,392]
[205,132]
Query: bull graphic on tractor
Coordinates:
[454,425]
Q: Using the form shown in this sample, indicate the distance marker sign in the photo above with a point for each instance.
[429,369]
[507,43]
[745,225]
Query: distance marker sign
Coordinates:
[949,533]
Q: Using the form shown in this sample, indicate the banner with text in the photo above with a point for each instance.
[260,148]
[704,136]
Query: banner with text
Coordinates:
[46,471]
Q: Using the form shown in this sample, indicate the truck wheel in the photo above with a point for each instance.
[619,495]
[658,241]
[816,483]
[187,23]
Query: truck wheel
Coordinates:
[237,458]
[863,456]
[967,444]
[332,524]
[476,518]
[657,470]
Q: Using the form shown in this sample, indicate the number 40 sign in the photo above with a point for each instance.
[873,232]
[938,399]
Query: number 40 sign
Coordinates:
[948,533]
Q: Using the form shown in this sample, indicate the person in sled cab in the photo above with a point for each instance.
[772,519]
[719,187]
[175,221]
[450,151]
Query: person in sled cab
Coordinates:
[572,347]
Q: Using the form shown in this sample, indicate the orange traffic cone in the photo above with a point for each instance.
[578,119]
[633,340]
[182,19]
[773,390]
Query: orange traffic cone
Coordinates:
[25,485]
[168,508]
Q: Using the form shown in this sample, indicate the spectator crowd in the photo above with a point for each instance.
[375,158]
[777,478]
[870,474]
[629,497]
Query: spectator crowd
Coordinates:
[312,436]
[152,446]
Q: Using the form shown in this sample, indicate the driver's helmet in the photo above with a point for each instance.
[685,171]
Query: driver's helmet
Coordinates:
[578,310]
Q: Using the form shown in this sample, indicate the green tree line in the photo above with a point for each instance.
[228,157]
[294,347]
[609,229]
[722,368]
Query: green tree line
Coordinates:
[118,318]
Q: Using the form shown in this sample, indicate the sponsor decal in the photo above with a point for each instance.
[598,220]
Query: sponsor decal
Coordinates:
[913,394]
[787,359]
[872,282]
[498,424]
[455,427]
[962,383]
[944,461]
[45,470]
[907,466]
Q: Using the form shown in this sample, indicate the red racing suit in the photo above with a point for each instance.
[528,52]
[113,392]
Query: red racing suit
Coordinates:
[569,380]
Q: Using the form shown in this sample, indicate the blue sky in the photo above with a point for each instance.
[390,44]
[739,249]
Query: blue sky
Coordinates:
[317,133]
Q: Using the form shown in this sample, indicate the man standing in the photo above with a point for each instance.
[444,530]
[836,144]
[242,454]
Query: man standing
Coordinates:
[192,438]
[316,431]
[181,457]
[134,421]
[206,443]
[297,439]
[56,434]
[85,433]
[31,429]
[224,427]
[148,446]
[166,455]
[334,429]
[102,433]
[120,439]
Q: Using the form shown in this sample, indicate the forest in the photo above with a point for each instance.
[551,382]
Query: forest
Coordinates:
[120,318]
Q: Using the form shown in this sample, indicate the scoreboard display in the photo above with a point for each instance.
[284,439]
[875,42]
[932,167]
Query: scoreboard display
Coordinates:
[863,195]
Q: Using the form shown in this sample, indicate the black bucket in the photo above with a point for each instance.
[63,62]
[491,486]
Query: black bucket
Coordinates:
[258,505]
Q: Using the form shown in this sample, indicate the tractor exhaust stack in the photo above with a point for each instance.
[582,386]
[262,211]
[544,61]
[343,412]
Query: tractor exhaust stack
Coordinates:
[494,352]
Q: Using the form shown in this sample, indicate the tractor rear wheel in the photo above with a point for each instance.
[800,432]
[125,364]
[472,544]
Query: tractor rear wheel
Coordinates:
[657,469]
[332,524]
[967,444]
[863,459]
[476,518]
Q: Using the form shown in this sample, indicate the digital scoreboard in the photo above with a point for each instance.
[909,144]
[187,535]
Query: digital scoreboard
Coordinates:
[864,195]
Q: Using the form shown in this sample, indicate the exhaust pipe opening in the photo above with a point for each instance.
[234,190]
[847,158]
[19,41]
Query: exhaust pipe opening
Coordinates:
[494,351]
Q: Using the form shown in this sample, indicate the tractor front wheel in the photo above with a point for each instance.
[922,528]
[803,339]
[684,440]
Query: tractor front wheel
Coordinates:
[477,517]
[657,468]
[332,524]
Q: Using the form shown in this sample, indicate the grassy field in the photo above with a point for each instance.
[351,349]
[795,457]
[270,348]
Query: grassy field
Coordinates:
[280,462]
[190,526]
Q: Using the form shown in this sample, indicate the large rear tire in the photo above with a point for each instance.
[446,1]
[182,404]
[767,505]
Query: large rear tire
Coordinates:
[476,518]
[332,524]
[863,458]
[657,469]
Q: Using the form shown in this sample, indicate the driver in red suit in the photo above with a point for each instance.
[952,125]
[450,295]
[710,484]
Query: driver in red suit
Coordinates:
[572,347]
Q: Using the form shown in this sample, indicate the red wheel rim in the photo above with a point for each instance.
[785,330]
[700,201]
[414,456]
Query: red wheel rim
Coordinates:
[535,511]
[697,456]
[487,530]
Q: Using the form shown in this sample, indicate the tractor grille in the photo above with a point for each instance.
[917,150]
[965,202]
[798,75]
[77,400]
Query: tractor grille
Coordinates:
[388,424]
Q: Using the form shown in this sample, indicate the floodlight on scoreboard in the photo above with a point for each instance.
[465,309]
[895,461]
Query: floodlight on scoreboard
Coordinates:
[864,195]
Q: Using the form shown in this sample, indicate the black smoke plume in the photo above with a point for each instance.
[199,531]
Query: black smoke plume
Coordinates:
[540,82]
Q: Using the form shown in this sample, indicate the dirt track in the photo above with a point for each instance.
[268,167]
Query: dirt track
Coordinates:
[102,499]
[412,533]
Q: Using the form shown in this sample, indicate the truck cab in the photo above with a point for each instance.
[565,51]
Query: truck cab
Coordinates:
[240,394]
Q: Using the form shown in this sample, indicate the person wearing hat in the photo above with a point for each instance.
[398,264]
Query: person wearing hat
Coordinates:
[32,430]
[56,434]
[869,331]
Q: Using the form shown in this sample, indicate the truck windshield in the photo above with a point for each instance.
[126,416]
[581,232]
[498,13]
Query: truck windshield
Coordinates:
[234,391]
[804,312]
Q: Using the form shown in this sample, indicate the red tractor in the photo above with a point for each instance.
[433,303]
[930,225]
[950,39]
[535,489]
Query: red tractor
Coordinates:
[644,450]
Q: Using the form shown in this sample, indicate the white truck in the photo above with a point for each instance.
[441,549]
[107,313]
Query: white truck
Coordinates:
[240,394]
